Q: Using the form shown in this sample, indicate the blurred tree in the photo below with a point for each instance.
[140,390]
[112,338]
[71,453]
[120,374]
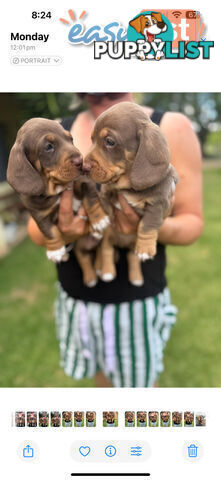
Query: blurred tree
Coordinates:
[203,109]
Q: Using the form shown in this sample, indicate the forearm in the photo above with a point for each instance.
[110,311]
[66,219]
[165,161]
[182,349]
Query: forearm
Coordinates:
[35,233]
[182,229]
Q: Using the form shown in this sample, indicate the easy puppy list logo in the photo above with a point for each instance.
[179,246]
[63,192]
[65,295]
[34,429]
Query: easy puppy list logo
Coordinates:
[150,35]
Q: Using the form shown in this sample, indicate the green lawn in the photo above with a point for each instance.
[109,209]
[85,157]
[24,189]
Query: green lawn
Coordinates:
[29,355]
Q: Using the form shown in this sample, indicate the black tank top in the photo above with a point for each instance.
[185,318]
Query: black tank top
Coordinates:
[119,290]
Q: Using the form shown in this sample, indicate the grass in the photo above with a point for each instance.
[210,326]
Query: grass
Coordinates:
[29,355]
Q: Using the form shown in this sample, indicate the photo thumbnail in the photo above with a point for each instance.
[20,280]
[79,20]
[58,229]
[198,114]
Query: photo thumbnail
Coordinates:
[110,419]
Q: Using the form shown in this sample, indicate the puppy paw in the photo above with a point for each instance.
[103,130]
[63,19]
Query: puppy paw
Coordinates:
[101,225]
[91,283]
[57,256]
[146,245]
[145,253]
[107,277]
[97,235]
[143,256]
[137,283]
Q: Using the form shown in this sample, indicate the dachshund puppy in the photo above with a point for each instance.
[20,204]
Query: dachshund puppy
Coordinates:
[141,419]
[43,419]
[188,419]
[32,419]
[165,419]
[177,419]
[90,417]
[129,419]
[200,420]
[20,419]
[55,419]
[130,156]
[79,419]
[42,164]
[153,418]
[110,418]
[67,419]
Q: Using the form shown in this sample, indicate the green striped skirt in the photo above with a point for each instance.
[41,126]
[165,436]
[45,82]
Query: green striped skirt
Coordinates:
[125,341]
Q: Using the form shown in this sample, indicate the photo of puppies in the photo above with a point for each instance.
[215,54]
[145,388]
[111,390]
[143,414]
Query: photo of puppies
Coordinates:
[90,419]
[188,419]
[177,419]
[110,419]
[200,420]
[43,419]
[129,419]
[141,419]
[165,419]
[153,419]
[32,419]
[67,419]
[20,419]
[55,419]
[78,419]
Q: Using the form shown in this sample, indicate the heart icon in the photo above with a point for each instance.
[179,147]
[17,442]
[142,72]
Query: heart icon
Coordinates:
[84,451]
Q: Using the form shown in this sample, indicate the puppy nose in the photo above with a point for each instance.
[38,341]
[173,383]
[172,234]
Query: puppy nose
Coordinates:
[86,167]
[77,161]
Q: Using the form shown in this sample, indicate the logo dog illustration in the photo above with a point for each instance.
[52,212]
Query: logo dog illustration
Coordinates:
[149,25]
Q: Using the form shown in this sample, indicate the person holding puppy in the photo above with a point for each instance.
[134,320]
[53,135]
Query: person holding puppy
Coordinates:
[116,332]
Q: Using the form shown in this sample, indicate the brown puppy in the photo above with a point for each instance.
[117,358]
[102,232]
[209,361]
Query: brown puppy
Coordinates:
[188,418]
[43,163]
[32,419]
[142,417]
[129,416]
[130,155]
[177,418]
[109,417]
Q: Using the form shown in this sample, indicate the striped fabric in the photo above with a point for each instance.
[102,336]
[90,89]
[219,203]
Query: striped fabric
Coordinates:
[124,341]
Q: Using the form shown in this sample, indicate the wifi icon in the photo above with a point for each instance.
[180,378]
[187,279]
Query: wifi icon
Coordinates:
[177,13]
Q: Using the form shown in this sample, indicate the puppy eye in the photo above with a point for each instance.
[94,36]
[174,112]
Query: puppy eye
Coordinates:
[109,142]
[49,147]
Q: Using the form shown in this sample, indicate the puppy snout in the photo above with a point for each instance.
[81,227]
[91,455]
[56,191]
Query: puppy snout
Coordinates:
[86,167]
[76,161]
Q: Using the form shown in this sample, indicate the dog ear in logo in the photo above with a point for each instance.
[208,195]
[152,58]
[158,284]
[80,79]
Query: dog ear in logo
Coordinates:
[137,23]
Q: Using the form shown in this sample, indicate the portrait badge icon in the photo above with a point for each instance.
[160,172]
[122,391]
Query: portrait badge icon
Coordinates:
[85,450]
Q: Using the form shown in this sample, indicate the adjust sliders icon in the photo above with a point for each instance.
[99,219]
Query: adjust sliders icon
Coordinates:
[136,451]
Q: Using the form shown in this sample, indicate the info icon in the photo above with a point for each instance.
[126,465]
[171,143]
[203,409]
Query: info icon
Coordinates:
[110,451]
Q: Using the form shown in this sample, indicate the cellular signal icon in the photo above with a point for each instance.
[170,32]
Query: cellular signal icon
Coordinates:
[177,13]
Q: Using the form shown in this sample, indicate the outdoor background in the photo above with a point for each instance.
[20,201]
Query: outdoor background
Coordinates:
[29,355]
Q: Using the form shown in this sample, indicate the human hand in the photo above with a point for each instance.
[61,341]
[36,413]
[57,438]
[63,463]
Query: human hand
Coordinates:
[72,226]
[125,220]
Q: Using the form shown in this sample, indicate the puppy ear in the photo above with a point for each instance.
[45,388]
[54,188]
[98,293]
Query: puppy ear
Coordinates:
[152,158]
[136,23]
[21,174]
[157,16]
